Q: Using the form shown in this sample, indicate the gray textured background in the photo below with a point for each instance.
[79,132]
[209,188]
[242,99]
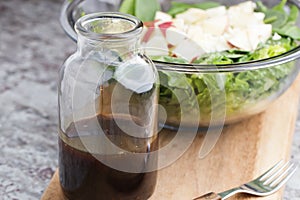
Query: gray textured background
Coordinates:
[32,49]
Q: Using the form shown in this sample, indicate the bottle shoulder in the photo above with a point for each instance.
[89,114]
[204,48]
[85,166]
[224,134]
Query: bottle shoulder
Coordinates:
[69,60]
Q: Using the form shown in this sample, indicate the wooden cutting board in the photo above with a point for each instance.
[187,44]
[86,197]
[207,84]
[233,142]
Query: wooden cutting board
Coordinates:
[244,151]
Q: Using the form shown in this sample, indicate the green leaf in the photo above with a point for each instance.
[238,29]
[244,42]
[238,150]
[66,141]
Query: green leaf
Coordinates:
[280,6]
[294,13]
[292,31]
[289,30]
[177,10]
[169,59]
[216,58]
[145,9]
[276,18]
[180,4]
[206,5]
[128,6]
[261,7]
[179,7]
[270,19]
[282,23]
[235,54]
[176,79]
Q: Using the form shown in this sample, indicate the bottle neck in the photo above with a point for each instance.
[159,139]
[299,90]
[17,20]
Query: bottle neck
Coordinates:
[86,45]
[108,32]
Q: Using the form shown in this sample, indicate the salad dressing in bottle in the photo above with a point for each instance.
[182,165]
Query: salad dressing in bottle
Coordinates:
[108,94]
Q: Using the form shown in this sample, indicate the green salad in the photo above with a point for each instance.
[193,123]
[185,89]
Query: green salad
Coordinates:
[187,33]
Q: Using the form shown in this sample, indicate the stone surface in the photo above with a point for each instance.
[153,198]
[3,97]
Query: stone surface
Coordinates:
[32,49]
[293,187]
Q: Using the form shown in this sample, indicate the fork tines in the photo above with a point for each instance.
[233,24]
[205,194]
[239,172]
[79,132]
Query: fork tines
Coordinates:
[279,174]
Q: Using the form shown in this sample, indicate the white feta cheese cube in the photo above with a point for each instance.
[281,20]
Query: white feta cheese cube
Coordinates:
[175,36]
[188,50]
[155,43]
[215,25]
[259,16]
[192,15]
[239,38]
[194,32]
[162,16]
[245,7]
[179,24]
[222,44]
[276,36]
[210,43]
[242,15]
[259,34]
[213,12]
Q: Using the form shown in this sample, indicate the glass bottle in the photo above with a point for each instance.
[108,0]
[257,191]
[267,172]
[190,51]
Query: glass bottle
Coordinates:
[108,95]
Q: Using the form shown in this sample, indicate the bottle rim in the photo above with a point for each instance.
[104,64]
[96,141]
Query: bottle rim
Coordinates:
[81,26]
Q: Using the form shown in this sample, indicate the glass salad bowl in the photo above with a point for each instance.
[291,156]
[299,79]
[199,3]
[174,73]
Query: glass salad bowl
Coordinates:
[223,92]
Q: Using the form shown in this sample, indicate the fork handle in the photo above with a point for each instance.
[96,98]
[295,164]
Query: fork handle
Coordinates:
[209,196]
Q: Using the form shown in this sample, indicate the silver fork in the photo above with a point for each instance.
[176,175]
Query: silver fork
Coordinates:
[264,185]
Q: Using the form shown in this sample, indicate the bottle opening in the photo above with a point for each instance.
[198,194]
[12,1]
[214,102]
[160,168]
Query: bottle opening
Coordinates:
[108,25]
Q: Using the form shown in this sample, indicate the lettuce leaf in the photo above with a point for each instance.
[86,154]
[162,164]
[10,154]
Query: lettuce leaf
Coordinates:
[242,89]
[284,21]
[180,7]
[143,9]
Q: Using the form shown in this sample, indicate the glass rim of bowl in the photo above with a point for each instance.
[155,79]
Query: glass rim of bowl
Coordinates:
[67,22]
